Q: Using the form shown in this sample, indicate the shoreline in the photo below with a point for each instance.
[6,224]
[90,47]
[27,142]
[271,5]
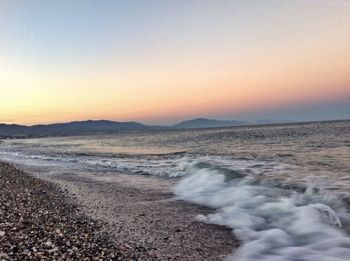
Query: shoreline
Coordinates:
[133,219]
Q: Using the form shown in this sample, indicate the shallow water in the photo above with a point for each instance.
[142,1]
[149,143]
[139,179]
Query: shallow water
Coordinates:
[281,188]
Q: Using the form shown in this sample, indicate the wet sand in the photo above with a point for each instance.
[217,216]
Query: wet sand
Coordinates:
[138,214]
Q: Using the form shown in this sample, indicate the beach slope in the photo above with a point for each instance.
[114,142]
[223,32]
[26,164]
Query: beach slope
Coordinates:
[110,217]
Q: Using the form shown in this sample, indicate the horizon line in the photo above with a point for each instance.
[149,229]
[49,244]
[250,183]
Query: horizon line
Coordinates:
[244,122]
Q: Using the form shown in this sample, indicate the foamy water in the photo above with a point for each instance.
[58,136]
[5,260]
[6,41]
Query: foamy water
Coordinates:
[282,189]
[273,223]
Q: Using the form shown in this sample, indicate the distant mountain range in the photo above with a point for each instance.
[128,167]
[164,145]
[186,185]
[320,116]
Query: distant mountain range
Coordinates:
[206,123]
[71,128]
[104,126]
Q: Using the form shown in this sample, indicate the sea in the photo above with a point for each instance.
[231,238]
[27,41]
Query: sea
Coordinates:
[283,189]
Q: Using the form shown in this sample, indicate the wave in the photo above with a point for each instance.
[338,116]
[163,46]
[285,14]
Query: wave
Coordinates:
[272,223]
[170,165]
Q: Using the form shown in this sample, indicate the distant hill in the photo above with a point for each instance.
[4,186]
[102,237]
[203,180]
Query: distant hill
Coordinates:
[70,128]
[105,126]
[12,130]
[206,123]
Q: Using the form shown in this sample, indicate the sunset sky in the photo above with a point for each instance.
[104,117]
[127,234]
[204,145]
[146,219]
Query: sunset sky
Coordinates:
[163,61]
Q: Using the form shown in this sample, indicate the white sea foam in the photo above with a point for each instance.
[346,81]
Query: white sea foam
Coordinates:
[273,223]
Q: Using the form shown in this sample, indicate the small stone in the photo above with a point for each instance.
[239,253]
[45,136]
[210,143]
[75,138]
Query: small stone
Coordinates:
[55,249]
[48,244]
[14,249]
[3,256]
[2,233]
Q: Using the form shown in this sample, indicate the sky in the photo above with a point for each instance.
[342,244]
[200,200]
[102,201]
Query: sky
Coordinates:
[159,62]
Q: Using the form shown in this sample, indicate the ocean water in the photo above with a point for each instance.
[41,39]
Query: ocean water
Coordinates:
[283,189]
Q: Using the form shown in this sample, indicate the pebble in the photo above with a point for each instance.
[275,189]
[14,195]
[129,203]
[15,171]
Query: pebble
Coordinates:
[41,223]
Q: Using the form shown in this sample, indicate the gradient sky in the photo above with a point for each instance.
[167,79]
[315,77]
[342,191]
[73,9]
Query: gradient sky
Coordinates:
[164,61]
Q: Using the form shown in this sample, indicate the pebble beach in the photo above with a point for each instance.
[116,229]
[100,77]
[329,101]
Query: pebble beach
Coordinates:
[81,219]
[38,222]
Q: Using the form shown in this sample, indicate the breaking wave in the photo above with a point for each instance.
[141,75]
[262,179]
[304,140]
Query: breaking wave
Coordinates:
[273,223]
